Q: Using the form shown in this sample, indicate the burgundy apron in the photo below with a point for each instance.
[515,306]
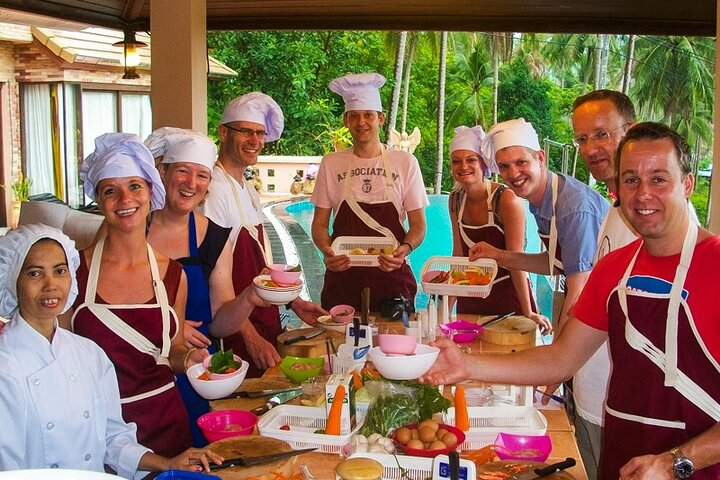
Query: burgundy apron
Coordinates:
[344,287]
[676,396]
[503,297]
[137,340]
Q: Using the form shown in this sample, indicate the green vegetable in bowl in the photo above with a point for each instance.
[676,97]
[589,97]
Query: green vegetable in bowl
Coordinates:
[296,268]
[223,362]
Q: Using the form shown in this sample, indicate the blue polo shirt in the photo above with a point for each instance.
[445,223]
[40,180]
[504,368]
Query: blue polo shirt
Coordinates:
[579,212]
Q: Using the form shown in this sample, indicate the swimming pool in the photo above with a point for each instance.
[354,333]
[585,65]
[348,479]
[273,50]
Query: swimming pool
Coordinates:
[438,241]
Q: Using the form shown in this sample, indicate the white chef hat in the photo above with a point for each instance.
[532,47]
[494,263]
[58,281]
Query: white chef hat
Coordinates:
[182,145]
[470,138]
[119,155]
[512,133]
[360,91]
[14,247]
[258,108]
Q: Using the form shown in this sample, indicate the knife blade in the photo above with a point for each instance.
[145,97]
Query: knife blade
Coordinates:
[545,471]
[276,400]
[497,319]
[305,336]
[259,393]
[260,459]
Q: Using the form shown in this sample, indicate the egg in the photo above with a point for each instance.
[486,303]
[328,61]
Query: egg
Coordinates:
[403,435]
[415,444]
[426,434]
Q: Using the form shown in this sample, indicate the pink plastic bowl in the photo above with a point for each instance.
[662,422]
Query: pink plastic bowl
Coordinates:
[534,448]
[223,376]
[461,331]
[280,274]
[342,313]
[393,344]
[226,423]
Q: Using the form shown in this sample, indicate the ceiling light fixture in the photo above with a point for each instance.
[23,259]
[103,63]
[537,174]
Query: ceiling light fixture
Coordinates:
[131,58]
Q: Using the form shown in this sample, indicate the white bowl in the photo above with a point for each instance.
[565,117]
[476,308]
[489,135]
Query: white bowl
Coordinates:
[214,389]
[327,322]
[404,367]
[276,296]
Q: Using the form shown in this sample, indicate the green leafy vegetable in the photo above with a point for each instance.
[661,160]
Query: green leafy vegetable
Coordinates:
[223,362]
[388,412]
[296,268]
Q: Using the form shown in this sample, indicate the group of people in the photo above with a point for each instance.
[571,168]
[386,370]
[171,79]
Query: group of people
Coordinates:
[172,266]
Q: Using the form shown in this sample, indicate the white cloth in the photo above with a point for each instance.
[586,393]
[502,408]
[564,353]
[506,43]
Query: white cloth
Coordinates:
[360,91]
[14,247]
[259,108]
[182,145]
[470,138]
[119,155]
[220,205]
[367,181]
[60,405]
[512,133]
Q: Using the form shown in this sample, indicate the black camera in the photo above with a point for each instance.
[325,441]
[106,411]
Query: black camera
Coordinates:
[395,307]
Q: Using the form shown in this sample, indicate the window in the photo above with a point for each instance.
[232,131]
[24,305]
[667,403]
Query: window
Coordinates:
[271,187]
[271,172]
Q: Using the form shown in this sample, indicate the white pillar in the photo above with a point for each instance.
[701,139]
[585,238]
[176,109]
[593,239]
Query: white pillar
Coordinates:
[714,209]
[179,63]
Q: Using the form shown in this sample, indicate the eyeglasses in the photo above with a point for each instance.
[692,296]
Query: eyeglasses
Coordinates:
[248,132]
[600,136]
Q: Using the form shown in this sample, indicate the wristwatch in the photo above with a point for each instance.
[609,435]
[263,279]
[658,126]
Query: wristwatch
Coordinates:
[682,465]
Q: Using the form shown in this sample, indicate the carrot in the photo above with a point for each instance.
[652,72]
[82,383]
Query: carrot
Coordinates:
[357,380]
[462,420]
[332,426]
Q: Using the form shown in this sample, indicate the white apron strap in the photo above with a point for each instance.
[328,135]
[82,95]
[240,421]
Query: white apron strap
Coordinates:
[362,214]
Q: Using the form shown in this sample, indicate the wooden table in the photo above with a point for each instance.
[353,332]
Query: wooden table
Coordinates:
[323,465]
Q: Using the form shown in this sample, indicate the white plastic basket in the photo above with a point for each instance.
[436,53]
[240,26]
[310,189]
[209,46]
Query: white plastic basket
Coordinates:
[416,468]
[487,422]
[457,264]
[303,422]
[345,245]
[493,395]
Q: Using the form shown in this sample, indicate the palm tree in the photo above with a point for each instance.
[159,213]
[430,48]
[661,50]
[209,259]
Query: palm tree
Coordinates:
[627,71]
[399,60]
[441,113]
[472,76]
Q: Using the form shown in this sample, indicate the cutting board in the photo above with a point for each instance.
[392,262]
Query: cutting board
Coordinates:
[253,385]
[313,347]
[253,445]
[490,471]
[512,334]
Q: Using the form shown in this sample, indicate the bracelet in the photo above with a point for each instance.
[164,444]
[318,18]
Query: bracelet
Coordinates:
[186,357]
[409,246]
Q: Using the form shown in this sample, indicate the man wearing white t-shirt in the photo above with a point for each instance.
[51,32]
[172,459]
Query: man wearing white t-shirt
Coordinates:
[370,190]
[247,123]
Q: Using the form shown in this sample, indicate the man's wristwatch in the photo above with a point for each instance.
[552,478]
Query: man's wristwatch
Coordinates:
[682,465]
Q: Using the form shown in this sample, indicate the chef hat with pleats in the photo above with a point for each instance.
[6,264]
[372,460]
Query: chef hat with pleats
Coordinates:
[470,138]
[512,133]
[182,145]
[14,247]
[360,91]
[258,108]
[119,155]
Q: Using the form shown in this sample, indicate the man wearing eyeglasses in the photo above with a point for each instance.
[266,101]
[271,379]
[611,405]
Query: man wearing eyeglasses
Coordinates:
[247,123]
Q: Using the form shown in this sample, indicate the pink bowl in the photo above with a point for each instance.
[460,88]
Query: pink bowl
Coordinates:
[226,423]
[280,273]
[461,331]
[342,313]
[222,376]
[534,448]
[394,344]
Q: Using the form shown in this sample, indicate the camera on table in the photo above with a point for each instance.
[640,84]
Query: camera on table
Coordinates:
[394,307]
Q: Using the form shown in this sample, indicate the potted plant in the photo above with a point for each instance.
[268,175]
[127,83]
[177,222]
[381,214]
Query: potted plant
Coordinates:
[20,190]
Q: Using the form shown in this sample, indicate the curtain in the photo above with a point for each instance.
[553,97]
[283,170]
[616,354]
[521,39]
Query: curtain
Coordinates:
[136,114]
[38,138]
[69,139]
[99,115]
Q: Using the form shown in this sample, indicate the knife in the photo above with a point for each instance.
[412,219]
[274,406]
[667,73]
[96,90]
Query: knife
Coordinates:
[497,319]
[259,393]
[365,306]
[545,471]
[276,400]
[314,332]
[258,460]
[454,460]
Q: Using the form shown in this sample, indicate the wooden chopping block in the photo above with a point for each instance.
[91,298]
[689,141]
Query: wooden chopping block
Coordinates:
[511,468]
[312,348]
[253,445]
[512,334]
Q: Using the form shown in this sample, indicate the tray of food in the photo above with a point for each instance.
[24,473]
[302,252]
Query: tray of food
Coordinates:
[458,276]
[363,251]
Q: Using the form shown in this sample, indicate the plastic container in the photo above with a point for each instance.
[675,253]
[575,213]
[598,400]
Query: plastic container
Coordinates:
[222,376]
[226,423]
[461,331]
[393,344]
[183,475]
[303,423]
[299,369]
[214,389]
[404,367]
[281,274]
[533,448]
[459,265]
[487,422]
[430,453]
[363,251]
[342,314]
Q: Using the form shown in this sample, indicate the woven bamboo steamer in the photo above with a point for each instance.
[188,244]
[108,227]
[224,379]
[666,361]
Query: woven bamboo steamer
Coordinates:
[512,334]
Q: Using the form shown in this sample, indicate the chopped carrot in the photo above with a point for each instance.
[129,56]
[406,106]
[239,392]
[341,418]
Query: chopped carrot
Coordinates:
[357,380]
[204,376]
[462,421]
[332,426]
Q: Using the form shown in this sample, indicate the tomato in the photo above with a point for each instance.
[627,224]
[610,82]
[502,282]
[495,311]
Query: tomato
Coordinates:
[285,427]
[230,370]
[204,376]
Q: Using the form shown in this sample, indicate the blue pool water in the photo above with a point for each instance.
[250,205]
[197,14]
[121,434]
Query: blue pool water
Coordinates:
[438,240]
